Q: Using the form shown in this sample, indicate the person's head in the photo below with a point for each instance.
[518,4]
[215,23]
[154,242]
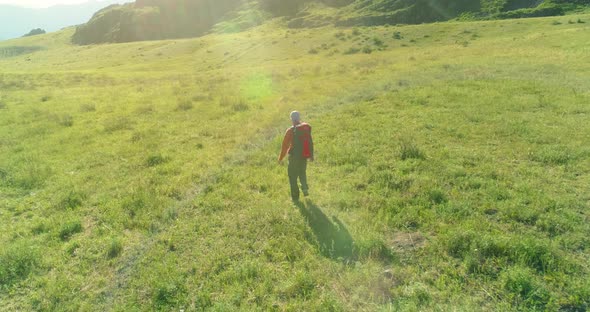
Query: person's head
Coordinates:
[295,117]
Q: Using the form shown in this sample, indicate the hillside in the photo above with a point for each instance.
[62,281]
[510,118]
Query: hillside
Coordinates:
[452,170]
[159,19]
[17,21]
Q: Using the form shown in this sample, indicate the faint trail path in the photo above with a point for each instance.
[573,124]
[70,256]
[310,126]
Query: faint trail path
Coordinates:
[274,128]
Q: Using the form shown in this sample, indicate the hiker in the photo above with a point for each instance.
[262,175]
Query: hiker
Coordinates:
[299,145]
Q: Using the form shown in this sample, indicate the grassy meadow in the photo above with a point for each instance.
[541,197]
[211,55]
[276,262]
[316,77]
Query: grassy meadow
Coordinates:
[452,170]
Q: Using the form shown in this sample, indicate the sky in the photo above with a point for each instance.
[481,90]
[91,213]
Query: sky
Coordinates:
[44,3]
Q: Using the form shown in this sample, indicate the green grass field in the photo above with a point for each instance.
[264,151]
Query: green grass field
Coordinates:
[452,170]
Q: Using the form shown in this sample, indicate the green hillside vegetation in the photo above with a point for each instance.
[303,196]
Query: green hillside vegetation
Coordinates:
[34,32]
[452,170]
[165,19]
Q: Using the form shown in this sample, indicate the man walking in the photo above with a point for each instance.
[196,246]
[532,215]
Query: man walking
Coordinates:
[299,145]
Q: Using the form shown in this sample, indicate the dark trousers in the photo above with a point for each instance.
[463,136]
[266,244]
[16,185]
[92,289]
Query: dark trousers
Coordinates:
[297,170]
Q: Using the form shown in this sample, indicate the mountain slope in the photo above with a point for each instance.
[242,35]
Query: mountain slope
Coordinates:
[17,21]
[158,19]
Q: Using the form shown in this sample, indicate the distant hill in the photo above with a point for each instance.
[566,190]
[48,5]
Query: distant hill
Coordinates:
[17,21]
[154,19]
[165,19]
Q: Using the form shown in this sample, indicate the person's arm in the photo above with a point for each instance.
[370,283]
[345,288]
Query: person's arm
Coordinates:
[287,140]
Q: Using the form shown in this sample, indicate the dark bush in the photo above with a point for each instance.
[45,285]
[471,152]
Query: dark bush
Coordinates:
[352,50]
[115,249]
[66,120]
[34,32]
[437,196]
[154,160]
[522,283]
[17,261]
[409,150]
[86,108]
[184,105]
[70,228]
[72,201]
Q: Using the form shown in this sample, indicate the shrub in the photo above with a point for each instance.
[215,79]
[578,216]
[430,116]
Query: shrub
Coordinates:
[378,42]
[70,228]
[154,160]
[72,248]
[409,150]
[40,228]
[184,105]
[117,124]
[535,254]
[397,35]
[555,23]
[373,248]
[145,109]
[300,286]
[420,294]
[522,214]
[115,248]
[34,32]
[240,106]
[172,213]
[580,21]
[168,293]
[352,50]
[437,196]
[459,243]
[313,51]
[66,120]
[45,98]
[17,262]
[141,199]
[72,200]
[522,284]
[31,177]
[367,50]
[553,224]
[88,107]
[200,97]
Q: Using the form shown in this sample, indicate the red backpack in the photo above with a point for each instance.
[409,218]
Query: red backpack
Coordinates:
[302,141]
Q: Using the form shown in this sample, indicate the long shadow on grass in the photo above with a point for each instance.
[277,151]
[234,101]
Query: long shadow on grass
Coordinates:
[334,239]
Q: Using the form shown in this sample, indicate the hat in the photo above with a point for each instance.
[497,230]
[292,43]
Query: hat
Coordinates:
[295,116]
